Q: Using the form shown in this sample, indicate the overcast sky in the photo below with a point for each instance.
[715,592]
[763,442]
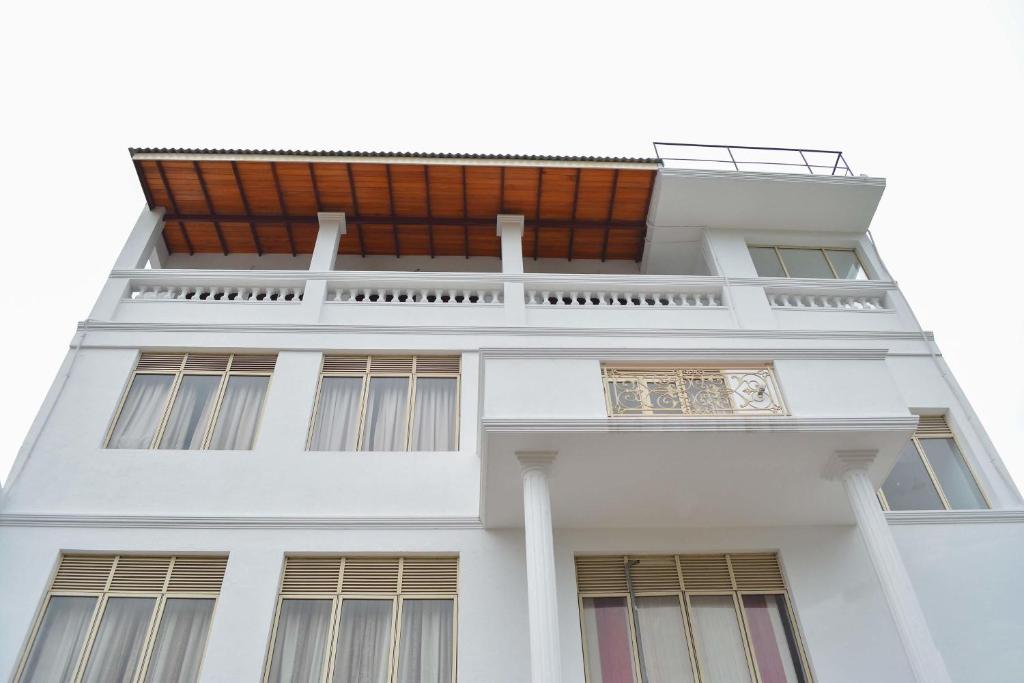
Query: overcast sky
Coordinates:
[929,95]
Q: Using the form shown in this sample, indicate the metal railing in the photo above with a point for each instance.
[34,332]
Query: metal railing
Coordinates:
[742,158]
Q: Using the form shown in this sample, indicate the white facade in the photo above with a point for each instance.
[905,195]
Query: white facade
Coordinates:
[542,473]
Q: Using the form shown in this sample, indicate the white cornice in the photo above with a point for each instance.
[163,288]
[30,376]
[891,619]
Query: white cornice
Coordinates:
[866,181]
[761,354]
[478,330]
[236,522]
[955,517]
[762,423]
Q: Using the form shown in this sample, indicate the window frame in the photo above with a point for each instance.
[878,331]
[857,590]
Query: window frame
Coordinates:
[368,374]
[172,395]
[96,619]
[824,252]
[696,665]
[337,599]
[933,477]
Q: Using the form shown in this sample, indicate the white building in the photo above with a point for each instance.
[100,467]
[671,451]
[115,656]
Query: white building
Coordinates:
[375,418]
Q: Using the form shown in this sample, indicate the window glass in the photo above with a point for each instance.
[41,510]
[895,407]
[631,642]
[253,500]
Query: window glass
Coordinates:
[766,262]
[425,645]
[719,639]
[239,413]
[663,640]
[58,642]
[118,645]
[606,632]
[386,414]
[435,420]
[180,641]
[909,487]
[846,264]
[364,642]
[337,416]
[806,263]
[140,415]
[190,414]
[954,477]
[300,644]
[772,639]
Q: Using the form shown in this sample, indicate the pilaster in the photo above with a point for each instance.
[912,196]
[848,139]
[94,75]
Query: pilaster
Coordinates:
[510,230]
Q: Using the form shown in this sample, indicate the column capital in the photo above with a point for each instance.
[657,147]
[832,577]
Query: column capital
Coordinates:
[536,460]
[511,221]
[843,462]
[332,218]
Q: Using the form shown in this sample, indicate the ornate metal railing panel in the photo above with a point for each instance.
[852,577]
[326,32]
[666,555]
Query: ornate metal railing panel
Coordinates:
[667,392]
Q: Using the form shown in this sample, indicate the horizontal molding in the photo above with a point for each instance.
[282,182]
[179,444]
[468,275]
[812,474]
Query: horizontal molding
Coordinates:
[690,355]
[867,181]
[236,522]
[477,330]
[760,423]
[955,517]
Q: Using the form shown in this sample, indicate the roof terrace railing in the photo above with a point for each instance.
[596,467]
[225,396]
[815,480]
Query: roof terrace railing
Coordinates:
[742,158]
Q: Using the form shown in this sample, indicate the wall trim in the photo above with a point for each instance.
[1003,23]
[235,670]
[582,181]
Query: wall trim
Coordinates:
[906,518]
[868,181]
[689,355]
[762,423]
[235,522]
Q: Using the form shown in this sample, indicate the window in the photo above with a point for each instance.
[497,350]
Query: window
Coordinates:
[669,392]
[124,618]
[192,401]
[365,620]
[387,403]
[827,263]
[931,473]
[688,619]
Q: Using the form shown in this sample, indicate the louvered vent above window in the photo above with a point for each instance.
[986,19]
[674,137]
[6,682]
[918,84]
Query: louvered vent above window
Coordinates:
[370,575]
[140,574]
[671,573]
[933,425]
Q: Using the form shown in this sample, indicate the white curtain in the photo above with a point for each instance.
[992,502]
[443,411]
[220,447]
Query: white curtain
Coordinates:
[180,641]
[190,414]
[364,642]
[385,414]
[239,413]
[663,639]
[115,652]
[337,418]
[719,641]
[434,423]
[426,642]
[141,411]
[59,640]
[301,641]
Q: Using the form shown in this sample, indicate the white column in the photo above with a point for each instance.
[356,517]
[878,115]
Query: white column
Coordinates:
[325,253]
[851,468]
[545,653]
[144,236]
[510,230]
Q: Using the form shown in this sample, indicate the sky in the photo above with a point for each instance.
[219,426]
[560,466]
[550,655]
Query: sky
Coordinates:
[929,95]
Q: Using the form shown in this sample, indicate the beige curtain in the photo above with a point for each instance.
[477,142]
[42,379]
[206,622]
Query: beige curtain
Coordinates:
[719,640]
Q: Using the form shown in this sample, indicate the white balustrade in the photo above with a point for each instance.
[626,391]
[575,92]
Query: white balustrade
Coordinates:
[222,293]
[391,294]
[622,297]
[832,302]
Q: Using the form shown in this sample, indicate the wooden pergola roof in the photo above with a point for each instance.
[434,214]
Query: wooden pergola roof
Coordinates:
[397,204]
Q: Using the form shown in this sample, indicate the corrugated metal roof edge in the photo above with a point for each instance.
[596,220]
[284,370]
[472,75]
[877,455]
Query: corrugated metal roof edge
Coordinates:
[409,155]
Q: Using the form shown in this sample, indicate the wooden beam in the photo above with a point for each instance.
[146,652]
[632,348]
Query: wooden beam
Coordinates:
[536,214]
[575,203]
[174,206]
[400,220]
[391,210]
[608,217]
[284,209]
[209,206]
[430,212]
[248,211]
[501,192]
[184,235]
[355,208]
[465,212]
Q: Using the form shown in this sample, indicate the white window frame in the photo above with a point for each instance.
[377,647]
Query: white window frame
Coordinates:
[824,252]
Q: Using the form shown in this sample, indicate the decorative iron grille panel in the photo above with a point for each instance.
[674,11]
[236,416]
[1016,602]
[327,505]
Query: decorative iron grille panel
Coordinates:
[691,391]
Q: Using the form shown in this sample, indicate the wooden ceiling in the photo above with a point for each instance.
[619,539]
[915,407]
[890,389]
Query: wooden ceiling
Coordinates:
[398,205]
